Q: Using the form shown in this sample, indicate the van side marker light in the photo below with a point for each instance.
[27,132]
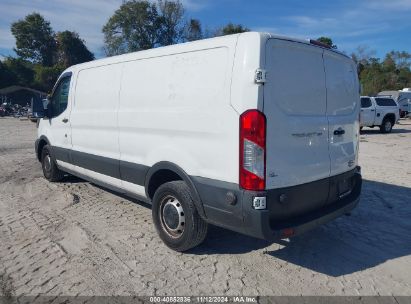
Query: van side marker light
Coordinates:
[259,203]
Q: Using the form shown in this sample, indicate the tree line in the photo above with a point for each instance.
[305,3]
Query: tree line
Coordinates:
[376,75]
[43,54]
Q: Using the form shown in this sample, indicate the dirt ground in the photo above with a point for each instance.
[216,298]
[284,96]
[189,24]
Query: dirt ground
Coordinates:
[74,238]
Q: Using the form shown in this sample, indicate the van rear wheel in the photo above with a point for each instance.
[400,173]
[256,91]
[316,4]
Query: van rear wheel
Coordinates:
[176,218]
[50,170]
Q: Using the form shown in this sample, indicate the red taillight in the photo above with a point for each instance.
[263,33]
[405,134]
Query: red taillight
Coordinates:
[252,150]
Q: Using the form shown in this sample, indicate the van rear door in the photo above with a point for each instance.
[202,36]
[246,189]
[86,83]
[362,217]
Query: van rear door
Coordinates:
[343,106]
[295,104]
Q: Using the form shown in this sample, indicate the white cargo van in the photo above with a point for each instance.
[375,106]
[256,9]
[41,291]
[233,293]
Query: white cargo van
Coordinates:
[251,132]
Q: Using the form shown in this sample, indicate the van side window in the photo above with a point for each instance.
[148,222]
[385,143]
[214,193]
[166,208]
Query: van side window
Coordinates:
[365,103]
[59,99]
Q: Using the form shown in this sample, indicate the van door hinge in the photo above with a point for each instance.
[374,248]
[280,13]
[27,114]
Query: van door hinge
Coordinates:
[260,76]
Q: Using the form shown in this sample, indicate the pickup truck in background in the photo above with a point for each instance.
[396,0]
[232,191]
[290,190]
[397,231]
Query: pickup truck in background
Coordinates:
[383,112]
[402,97]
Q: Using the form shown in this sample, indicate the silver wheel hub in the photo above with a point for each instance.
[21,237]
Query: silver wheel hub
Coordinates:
[387,125]
[172,216]
[47,162]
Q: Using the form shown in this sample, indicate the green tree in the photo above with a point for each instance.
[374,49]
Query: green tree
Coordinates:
[231,28]
[171,22]
[71,49]
[328,41]
[34,39]
[42,55]
[402,59]
[20,70]
[392,73]
[46,77]
[135,26]
[193,30]
[7,77]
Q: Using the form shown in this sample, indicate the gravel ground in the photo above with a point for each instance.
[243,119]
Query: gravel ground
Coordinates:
[74,238]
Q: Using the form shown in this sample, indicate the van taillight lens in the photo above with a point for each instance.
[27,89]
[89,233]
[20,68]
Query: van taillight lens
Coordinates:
[252,150]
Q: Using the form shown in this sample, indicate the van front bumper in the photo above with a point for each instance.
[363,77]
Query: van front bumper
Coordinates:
[289,211]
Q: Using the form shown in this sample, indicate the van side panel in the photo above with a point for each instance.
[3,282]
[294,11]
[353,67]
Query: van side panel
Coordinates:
[94,120]
[177,108]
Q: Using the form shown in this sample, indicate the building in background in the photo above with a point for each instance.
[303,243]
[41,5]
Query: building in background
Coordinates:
[20,95]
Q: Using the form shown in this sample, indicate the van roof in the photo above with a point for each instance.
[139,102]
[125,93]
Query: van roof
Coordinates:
[210,42]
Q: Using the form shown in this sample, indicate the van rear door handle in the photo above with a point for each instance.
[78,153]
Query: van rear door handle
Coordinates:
[339,132]
[65,120]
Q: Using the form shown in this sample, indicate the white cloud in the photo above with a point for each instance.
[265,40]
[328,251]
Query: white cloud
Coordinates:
[389,5]
[369,22]
[194,5]
[347,24]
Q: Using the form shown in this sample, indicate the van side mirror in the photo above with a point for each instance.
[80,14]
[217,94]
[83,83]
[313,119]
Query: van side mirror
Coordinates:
[37,110]
[47,106]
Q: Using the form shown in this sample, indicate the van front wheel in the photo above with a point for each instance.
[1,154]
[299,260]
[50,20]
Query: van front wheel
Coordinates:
[176,218]
[50,170]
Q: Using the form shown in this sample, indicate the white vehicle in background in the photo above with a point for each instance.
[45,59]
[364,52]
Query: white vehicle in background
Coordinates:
[403,98]
[404,101]
[381,112]
[251,132]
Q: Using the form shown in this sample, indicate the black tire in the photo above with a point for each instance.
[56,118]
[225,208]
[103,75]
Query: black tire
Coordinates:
[50,170]
[386,126]
[173,207]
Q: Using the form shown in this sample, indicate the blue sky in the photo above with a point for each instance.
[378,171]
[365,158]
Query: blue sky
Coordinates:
[381,25]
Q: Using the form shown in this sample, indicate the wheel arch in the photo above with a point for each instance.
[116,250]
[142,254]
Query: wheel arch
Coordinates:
[42,141]
[390,116]
[163,172]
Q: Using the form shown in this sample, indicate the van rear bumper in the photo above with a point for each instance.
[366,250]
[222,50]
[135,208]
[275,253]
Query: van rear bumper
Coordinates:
[259,223]
[304,207]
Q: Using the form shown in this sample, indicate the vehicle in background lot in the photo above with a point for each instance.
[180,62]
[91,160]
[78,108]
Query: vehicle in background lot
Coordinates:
[251,132]
[7,109]
[15,110]
[382,112]
[403,98]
